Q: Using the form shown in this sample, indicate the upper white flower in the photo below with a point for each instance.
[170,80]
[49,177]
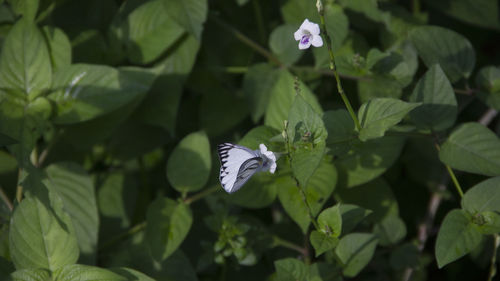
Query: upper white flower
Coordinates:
[308,34]
[269,155]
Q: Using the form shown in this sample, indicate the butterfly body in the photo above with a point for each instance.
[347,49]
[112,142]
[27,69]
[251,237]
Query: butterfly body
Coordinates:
[239,163]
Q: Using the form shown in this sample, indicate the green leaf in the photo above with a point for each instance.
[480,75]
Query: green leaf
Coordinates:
[131,274]
[472,148]
[367,8]
[85,91]
[25,8]
[439,109]
[487,222]
[149,30]
[25,66]
[168,223]
[281,97]
[59,47]
[488,82]
[452,51]
[330,221]
[390,230]
[283,45]
[291,269]
[482,13]
[322,242]
[261,134]
[76,189]
[355,251]
[307,139]
[368,160]
[86,273]
[258,83]
[456,238]
[38,274]
[259,192]
[376,196]
[190,14]
[380,114]
[484,196]
[341,132]
[41,232]
[189,164]
[352,215]
[295,11]
[319,189]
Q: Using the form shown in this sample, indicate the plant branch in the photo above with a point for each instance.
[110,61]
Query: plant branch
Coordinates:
[493,265]
[6,199]
[201,194]
[289,245]
[135,229]
[333,67]
[451,173]
[488,116]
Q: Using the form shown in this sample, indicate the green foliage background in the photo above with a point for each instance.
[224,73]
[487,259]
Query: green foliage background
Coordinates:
[110,113]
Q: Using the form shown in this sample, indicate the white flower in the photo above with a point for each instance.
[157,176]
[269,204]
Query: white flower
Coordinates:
[270,156]
[308,34]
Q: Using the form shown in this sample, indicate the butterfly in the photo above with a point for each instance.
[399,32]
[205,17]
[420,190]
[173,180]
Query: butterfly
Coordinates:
[239,163]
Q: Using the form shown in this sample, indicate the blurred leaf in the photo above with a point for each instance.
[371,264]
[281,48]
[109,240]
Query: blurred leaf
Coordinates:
[131,274]
[259,192]
[291,269]
[284,45]
[487,222]
[59,47]
[25,66]
[76,189]
[25,8]
[452,51]
[456,238]
[322,242]
[484,196]
[261,134]
[148,31]
[355,251]
[341,132]
[281,98]
[472,148]
[375,196]
[483,13]
[190,14]
[84,91]
[295,11]
[86,273]
[41,232]
[380,114]
[189,164]
[404,256]
[488,82]
[368,160]
[352,215]
[330,221]
[258,83]
[168,223]
[368,8]
[318,190]
[39,274]
[439,109]
[390,230]
[307,136]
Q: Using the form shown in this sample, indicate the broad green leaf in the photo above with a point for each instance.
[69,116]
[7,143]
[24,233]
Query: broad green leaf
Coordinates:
[368,160]
[190,14]
[262,134]
[259,192]
[488,82]
[258,83]
[307,139]
[41,232]
[84,92]
[452,51]
[291,269]
[341,132]
[25,8]
[189,164]
[59,47]
[380,114]
[282,96]
[484,196]
[39,274]
[456,238]
[390,230]
[322,242]
[25,65]
[368,8]
[439,105]
[482,13]
[283,45]
[352,215]
[318,190]
[330,221]
[86,273]
[376,196]
[149,30]
[355,251]
[295,11]
[131,274]
[472,148]
[76,189]
[168,223]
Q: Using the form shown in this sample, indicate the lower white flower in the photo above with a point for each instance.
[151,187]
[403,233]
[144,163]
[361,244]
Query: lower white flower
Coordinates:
[308,34]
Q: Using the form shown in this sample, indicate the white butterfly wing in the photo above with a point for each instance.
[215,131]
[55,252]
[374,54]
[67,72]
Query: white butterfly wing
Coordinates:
[238,164]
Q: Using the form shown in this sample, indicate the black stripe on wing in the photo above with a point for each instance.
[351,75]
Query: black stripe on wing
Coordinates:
[223,150]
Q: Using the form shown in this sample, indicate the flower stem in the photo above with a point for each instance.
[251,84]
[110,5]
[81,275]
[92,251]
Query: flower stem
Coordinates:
[201,194]
[287,244]
[451,173]
[333,67]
